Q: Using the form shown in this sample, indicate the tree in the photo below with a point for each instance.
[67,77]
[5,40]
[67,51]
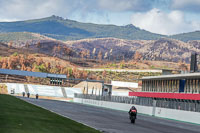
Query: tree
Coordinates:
[4,66]
[21,60]
[23,67]
[28,69]
[104,73]
[137,56]
[55,49]
[94,52]
[100,55]
[39,61]
[106,55]
[85,74]
[10,44]
[83,54]
[88,54]
[58,48]
[182,66]
[10,63]
[27,45]
[68,51]
[48,66]
[111,53]
[38,45]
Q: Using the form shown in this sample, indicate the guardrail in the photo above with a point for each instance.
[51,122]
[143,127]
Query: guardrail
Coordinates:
[187,105]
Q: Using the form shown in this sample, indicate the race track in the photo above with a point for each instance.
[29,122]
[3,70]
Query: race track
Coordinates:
[112,121]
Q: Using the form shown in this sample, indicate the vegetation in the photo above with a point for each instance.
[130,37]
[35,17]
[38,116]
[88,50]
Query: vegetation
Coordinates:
[36,63]
[17,36]
[187,36]
[48,64]
[65,29]
[3,89]
[17,116]
[109,76]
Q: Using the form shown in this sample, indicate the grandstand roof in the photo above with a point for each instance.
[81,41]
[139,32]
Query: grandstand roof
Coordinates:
[173,76]
[32,74]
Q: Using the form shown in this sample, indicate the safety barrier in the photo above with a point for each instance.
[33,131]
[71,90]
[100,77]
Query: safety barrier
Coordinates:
[187,105]
[181,115]
[42,90]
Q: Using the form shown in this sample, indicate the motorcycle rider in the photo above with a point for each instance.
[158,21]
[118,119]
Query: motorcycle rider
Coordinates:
[133,108]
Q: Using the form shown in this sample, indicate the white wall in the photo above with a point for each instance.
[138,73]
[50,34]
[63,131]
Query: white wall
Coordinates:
[181,115]
[70,91]
[43,90]
[18,88]
[120,93]
[124,84]
[187,116]
[114,105]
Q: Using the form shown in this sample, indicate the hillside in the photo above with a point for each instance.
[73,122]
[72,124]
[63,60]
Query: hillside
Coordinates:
[21,37]
[104,48]
[187,36]
[65,29]
[161,49]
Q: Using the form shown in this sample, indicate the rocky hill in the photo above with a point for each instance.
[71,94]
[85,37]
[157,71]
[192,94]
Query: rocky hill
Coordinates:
[161,49]
[105,48]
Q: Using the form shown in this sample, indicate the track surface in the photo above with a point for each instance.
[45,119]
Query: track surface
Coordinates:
[112,121]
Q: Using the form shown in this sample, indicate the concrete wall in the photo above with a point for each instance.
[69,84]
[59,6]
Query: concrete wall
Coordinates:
[124,84]
[186,116]
[42,90]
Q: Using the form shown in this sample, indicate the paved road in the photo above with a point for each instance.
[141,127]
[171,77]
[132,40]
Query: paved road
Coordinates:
[112,121]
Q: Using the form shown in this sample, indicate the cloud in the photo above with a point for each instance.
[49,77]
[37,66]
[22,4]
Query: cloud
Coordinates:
[126,5]
[108,11]
[27,9]
[157,21]
[186,5]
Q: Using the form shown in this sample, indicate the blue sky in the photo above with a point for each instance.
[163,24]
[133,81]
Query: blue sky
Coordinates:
[157,16]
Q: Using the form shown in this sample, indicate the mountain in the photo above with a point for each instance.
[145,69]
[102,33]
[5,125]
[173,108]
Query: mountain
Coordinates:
[65,29]
[21,37]
[162,49]
[187,36]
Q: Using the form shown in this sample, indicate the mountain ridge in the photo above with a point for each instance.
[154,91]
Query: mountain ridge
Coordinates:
[65,29]
[73,30]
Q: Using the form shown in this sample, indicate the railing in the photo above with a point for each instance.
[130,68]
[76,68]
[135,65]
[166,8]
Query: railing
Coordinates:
[187,105]
[119,99]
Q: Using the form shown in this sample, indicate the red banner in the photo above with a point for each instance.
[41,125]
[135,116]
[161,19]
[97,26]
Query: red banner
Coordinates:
[166,95]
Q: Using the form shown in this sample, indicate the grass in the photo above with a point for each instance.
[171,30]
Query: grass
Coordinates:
[17,116]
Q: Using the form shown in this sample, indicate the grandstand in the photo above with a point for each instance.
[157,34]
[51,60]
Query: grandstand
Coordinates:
[179,91]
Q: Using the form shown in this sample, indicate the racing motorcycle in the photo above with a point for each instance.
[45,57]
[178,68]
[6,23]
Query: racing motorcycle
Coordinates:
[132,115]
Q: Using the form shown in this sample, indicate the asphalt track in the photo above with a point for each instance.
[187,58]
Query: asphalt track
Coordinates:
[112,121]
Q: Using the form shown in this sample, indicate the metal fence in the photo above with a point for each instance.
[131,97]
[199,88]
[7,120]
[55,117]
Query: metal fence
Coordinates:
[187,105]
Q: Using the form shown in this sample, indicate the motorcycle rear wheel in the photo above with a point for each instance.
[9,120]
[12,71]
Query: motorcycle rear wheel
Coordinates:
[133,121]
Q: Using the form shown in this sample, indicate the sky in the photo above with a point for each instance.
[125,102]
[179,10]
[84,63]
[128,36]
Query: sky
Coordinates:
[158,16]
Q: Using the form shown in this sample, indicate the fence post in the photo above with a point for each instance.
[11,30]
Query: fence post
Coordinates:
[154,108]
